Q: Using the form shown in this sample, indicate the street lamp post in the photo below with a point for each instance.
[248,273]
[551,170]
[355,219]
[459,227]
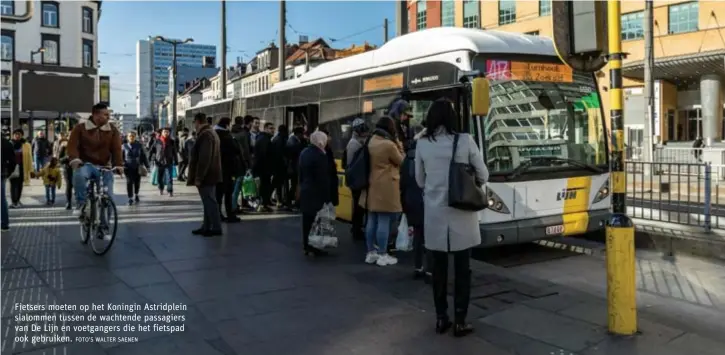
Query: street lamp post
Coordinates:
[173,44]
[33,53]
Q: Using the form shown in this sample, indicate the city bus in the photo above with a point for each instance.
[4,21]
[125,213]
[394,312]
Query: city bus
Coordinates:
[543,135]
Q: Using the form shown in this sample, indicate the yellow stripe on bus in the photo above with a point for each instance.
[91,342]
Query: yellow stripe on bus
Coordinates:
[576,205]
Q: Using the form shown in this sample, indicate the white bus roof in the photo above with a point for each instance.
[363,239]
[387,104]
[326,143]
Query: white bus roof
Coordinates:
[423,44]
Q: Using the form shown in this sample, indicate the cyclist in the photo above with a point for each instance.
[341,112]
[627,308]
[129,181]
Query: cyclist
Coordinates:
[92,144]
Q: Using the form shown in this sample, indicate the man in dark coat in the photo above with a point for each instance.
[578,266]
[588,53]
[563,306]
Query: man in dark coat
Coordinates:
[242,135]
[263,167]
[165,157]
[183,154]
[279,164]
[205,172]
[8,167]
[41,150]
[232,167]
[295,144]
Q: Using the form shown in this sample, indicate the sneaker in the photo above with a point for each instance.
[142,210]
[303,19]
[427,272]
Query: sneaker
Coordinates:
[136,199]
[372,257]
[385,259]
[130,202]
[5,229]
[68,206]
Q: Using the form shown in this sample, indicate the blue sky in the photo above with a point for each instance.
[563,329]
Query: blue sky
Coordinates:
[250,26]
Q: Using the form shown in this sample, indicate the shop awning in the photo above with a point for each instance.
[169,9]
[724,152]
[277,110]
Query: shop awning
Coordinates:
[680,70]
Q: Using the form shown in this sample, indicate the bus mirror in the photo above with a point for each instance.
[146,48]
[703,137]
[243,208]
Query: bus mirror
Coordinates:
[480,97]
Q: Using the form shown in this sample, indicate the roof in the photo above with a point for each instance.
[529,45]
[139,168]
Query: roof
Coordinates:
[681,69]
[317,49]
[426,43]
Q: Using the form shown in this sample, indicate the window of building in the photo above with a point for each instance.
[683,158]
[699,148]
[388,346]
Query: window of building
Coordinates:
[448,13]
[544,7]
[50,14]
[7,8]
[51,43]
[683,17]
[8,45]
[87,20]
[88,53]
[632,25]
[471,14]
[421,15]
[532,33]
[506,12]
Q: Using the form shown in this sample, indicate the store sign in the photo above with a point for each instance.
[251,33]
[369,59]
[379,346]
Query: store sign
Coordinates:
[656,114]
[104,89]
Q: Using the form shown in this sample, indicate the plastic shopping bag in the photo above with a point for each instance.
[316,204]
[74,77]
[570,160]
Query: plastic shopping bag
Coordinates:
[327,212]
[404,241]
[174,172]
[249,186]
[155,176]
[322,234]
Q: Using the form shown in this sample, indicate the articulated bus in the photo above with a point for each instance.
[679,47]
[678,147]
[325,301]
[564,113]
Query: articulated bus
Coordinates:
[543,138]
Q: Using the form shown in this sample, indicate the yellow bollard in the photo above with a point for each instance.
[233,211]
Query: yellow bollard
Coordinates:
[621,282]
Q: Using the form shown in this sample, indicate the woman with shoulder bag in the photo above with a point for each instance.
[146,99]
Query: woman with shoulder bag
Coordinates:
[135,164]
[449,230]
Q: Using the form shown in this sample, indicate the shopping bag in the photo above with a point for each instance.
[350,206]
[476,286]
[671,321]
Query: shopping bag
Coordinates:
[142,171]
[327,212]
[174,172]
[322,235]
[249,186]
[404,241]
[154,176]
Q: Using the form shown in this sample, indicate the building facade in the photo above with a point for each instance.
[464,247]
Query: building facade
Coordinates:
[154,59]
[42,58]
[689,50]
[186,74]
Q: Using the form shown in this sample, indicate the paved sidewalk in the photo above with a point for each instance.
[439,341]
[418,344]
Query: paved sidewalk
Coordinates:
[253,292]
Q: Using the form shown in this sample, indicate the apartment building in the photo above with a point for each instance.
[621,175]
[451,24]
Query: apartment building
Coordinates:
[689,49]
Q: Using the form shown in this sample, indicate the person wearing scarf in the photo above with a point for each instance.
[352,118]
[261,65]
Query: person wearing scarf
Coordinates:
[165,157]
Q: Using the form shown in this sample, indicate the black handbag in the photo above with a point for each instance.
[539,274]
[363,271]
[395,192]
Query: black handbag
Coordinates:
[464,193]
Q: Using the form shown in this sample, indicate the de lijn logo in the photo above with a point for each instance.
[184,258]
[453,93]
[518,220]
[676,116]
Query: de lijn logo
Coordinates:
[567,194]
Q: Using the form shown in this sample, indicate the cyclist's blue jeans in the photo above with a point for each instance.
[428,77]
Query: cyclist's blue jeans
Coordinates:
[4,212]
[83,174]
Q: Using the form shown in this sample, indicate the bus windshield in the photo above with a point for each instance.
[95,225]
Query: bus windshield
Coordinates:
[541,110]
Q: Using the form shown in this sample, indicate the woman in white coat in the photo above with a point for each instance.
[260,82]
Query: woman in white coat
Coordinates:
[447,230]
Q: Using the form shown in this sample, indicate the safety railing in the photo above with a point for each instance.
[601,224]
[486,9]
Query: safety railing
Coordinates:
[682,193]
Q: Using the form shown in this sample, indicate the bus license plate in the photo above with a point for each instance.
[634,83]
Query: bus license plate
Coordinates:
[555,229]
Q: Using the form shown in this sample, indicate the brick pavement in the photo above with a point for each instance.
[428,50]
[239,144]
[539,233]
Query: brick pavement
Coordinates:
[253,292]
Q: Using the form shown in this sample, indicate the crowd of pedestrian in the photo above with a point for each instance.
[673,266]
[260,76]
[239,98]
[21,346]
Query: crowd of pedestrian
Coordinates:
[392,169]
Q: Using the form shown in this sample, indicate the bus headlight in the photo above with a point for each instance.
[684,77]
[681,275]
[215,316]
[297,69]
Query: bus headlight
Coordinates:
[602,193]
[495,203]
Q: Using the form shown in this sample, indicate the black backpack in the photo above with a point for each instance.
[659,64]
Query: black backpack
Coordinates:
[357,171]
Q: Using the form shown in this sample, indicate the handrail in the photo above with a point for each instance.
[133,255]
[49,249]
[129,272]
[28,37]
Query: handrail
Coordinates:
[21,18]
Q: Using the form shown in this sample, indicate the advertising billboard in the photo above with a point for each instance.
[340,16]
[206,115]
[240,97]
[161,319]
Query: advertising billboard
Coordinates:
[104,89]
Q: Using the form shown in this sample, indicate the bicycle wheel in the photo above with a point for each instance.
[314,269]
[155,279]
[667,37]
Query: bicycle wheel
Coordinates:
[105,235]
[85,222]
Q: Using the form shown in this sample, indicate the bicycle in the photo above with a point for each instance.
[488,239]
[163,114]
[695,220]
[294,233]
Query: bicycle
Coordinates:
[98,203]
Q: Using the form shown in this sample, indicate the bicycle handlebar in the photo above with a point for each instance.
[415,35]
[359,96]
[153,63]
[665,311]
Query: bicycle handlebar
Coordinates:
[105,168]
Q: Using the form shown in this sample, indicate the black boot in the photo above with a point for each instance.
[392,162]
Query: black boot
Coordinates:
[443,324]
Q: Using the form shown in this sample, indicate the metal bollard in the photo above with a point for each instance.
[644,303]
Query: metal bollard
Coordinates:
[708,196]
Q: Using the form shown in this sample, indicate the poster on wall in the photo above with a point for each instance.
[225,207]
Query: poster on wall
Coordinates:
[6,95]
[104,90]
[656,114]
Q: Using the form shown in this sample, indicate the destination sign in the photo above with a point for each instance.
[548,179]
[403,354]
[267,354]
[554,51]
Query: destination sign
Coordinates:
[387,82]
[555,73]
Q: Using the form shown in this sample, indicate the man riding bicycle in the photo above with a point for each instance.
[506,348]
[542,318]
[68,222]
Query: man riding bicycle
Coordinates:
[94,143]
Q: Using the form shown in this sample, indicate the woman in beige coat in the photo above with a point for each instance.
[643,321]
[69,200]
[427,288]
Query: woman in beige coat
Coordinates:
[382,197]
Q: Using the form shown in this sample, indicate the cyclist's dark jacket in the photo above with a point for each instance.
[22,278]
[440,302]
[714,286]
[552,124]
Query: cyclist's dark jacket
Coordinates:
[96,145]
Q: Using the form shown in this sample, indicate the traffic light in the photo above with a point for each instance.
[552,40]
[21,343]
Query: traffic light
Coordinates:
[580,33]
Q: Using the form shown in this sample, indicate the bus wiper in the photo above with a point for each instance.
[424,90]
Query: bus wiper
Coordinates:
[527,165]
[578,163]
